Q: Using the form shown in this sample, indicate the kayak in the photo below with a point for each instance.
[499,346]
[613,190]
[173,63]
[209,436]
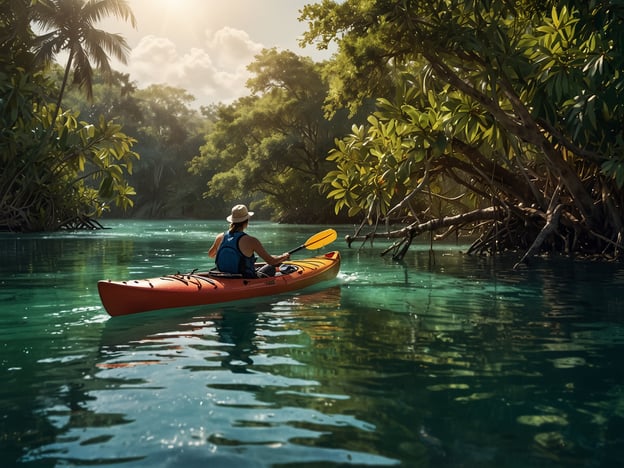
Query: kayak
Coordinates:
[193,289]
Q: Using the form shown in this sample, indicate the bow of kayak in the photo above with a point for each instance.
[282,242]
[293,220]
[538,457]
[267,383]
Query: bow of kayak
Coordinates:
[192,289]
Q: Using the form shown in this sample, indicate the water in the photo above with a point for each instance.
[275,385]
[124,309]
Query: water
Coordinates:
[455,362]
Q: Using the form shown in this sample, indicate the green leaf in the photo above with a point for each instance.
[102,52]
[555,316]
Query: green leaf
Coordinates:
[106,188]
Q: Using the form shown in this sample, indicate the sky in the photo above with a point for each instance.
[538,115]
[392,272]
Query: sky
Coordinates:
[204,46]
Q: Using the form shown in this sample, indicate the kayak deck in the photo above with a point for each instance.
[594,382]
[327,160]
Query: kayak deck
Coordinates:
[192,289]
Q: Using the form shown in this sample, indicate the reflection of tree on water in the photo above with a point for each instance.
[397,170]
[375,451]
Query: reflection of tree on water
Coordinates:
[233,328]
[204,349]
[239,330]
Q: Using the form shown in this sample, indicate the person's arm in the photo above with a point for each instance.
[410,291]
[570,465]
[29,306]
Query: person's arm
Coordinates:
[212,252]
[249,245]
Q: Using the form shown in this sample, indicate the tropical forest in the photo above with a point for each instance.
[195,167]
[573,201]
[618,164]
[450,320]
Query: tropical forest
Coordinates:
[498,121]
[312,233]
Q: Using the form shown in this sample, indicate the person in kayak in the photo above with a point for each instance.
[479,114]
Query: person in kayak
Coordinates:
[234,249]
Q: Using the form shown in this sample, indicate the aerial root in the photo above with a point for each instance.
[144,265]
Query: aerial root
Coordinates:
[81,222]
[552,222]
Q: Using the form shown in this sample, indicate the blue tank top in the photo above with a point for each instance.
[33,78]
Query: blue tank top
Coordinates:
[230,259]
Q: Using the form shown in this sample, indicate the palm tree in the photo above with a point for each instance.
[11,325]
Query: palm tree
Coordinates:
[69,25]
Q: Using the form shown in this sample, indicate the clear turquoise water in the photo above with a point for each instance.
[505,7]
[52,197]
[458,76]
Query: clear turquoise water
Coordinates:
[456,362]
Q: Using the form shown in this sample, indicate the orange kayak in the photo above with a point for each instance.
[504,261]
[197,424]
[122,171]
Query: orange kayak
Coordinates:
[193,289]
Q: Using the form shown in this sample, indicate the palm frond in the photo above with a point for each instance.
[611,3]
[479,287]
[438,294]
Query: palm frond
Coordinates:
[69,25]
[83,72]
[96,10]
[101,42]
[47,46]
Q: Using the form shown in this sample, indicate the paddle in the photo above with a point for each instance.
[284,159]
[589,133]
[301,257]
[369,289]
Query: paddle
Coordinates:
[317,241]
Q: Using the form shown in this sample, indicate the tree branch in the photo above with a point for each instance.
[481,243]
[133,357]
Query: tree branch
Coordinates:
[414,229]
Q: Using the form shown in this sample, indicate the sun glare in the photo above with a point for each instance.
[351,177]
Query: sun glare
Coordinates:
[171,11]
[186,20]
[167,6]
[174,6]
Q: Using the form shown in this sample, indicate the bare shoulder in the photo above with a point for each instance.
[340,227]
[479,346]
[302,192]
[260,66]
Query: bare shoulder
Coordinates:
[250,241]
[249,244]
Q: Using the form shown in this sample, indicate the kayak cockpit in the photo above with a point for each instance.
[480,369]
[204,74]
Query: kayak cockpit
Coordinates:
[284,269]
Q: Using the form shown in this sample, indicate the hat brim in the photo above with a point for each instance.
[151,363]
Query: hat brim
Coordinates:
[232,220]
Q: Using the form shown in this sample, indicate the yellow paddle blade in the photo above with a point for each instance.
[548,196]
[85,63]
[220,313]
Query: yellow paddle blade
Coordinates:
[321,239]
[318,240]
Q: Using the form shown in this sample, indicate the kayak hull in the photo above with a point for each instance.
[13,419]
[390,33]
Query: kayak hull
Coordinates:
[193,289]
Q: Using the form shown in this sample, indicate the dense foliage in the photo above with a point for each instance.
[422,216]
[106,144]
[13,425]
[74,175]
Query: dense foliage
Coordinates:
[271,147]
[501,119]
[168,132]
[507,115]
[57,170]
[67,161]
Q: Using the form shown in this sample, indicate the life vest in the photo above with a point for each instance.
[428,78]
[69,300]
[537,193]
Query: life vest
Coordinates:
[230,259]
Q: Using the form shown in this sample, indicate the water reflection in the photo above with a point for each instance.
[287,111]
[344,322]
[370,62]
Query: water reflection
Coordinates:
[494,353]
[461,362]
[213,386]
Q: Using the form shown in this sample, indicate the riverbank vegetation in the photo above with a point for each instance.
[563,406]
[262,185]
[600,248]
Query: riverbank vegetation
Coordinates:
[502,118]
[57,169]
[499,120]
[275,142]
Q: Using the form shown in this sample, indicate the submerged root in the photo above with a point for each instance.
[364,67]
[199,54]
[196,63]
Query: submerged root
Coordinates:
[81,223]
[498,230]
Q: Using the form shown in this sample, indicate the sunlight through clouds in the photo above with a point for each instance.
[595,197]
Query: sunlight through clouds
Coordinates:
[215,72]
[205,46]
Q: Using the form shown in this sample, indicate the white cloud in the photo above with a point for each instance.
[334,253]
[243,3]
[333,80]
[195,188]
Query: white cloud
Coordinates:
[232,47]
[214,72]
[204,46]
